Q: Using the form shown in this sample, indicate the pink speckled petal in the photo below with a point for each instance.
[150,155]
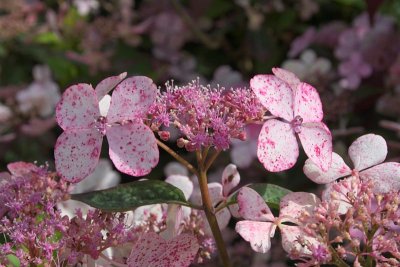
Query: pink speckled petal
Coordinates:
[385,177]
[230,179]
[182,182]
[290,243]
[277,146]
[108,84]
[307,103]
[180,251]
[21,168]
[153,251]
[294,204]
[133,148]
[252,206]
[223,218]
[275,94]
[287,76]
[147,251]
[257,233]
[215,191]
[368,150]
[131,99]
[77,153]
[234,209]
[317,143]
[78,107]
[338,169]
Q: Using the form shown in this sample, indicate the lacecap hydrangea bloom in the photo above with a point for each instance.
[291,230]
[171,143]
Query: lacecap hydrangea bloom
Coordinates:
[297,111]
[87,115]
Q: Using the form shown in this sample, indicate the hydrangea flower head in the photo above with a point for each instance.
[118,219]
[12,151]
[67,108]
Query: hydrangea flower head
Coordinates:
[367,154]
[132,144]
[206,116]
[299,109]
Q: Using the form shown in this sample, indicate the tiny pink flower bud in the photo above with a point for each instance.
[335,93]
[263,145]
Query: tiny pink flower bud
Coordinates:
[181,142]
[164,135]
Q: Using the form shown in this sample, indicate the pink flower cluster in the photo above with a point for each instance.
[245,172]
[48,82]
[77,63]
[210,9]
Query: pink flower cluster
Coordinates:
[368,233]
[28,220]
[205,116]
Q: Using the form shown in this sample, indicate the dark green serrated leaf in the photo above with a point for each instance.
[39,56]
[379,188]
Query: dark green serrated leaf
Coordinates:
[129,196]
[272,194]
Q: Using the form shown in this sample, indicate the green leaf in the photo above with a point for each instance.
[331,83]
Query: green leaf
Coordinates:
[272,194]
[129,196]
[47,38]
[13,261]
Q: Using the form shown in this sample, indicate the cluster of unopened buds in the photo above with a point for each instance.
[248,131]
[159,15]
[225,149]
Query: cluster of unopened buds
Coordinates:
[178,222]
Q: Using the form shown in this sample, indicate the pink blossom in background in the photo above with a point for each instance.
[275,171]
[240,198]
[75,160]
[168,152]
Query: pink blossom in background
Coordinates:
[5,113]
[299,107]
[309,67]
[353,70]
[259,224]
[41,96]
[302,42]
[367,154]
[86,115]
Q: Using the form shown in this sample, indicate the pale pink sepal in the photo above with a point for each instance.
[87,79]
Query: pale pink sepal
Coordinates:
[277,146]
[133,148]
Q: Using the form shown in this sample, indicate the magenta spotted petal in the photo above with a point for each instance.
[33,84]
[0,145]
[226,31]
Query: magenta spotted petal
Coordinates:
[77,153]
[106,85]
[338,169]
[307,103]
[274,94]
[257,233]
[133,147]
[317,143]
[152,250]
[277,146]
[259,225]
[78,107]
[367,153]
[287,76]
[230,179]
[299,109]
[132,98]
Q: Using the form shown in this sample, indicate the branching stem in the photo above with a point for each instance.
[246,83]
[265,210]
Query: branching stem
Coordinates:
[178,158]
[210,214]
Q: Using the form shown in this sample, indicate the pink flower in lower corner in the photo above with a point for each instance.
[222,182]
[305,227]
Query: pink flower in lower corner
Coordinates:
[87,115]
[259,224]
[298,109]
[152,250]
[367,154]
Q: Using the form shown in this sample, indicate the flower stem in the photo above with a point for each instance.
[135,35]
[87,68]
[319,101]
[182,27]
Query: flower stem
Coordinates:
[211,160]
[210,213]
[178,158]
